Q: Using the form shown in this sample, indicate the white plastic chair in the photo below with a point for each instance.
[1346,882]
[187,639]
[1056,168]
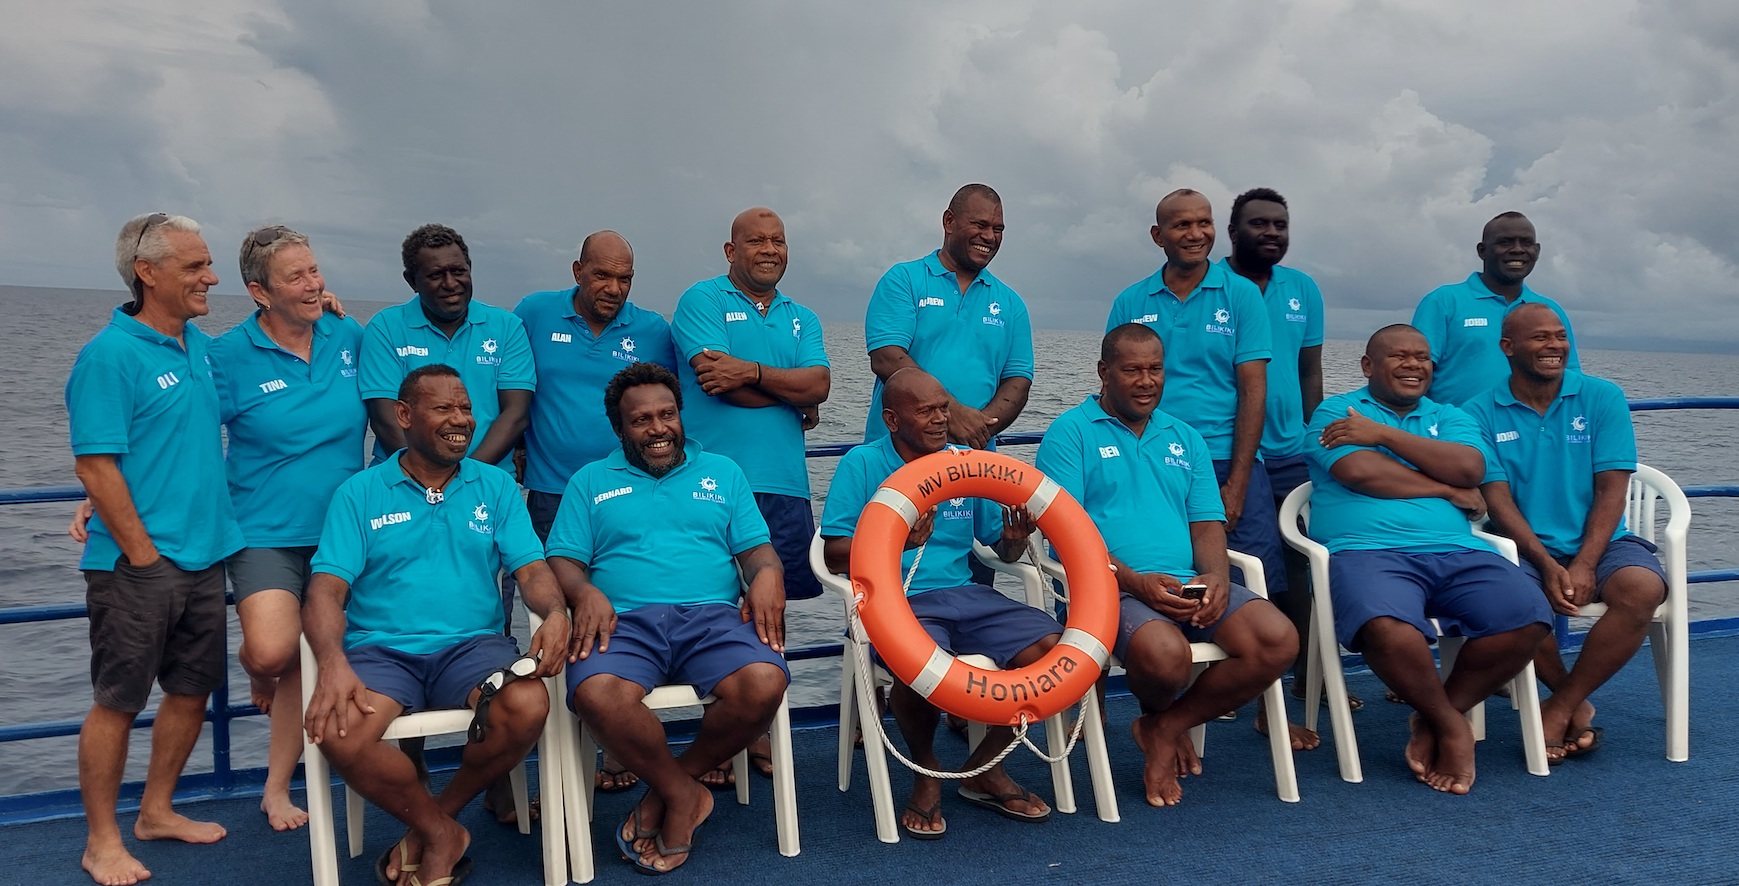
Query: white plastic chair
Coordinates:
[1524,689]
[1669,634]
[322,830]
[579,749]
[857,710]
[1203,655]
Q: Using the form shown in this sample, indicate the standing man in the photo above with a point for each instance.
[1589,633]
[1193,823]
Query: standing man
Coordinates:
[1260,231]
[580,338]
[441,325]
[1463,321]
[1562,452]
[948,315]
[754,374]
[143,411]
[1215,330]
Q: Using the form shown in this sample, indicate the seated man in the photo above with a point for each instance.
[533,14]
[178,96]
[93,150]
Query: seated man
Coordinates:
[963,618]
[1561,496]
[643,546]
[1396,478]
[1148,482]
[404,615]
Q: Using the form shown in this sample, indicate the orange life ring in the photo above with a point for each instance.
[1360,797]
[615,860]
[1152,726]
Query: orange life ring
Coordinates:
[1035,692]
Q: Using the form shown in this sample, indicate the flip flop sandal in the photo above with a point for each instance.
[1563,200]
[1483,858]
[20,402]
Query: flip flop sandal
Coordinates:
[626,846]
[460,872]
[998,803]
[933,815]
[386,859]
[664,852]
[1574,748]
[523,666]
[617,785]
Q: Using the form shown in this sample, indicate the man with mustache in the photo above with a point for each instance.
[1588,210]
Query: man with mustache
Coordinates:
[647,546]
[1463,321]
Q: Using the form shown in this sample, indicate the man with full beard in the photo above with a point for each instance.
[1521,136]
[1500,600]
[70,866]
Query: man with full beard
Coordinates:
[643,546]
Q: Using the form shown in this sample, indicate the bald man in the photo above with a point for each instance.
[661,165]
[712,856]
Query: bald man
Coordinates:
[1462,321]
[1396,480]
[963,616]
[1561,495]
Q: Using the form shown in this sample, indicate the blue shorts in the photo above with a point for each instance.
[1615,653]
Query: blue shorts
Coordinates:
[1473,593]
[1132,614]
[1258,530]
[1625,551]
[542,506]
[791,526]
[979,620]
[658,644]
[439,681]
[1285,475]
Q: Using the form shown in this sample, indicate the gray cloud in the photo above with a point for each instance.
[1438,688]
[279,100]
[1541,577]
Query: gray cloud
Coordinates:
[1394,129]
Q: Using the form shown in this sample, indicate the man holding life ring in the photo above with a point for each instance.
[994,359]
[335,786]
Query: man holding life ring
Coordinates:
[1148,482]
[961,616]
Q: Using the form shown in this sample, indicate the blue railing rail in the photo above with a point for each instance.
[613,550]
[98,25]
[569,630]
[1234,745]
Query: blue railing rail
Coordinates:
[221,712]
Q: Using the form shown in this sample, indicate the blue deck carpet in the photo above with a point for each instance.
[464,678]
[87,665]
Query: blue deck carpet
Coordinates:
[1622,815]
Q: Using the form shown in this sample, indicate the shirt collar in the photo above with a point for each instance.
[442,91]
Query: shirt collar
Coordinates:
[1425,406]
[933,263]
[724,282]
[134,327]
[622,316]
[1480,290]
[1570,387]
[257,334]
[1096,413]
[1214,279]
[394,474]
[617,460]
[421,319]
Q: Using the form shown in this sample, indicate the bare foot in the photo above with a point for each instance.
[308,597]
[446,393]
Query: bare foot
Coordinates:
[262,691]
[1421,746]
[1188,763]
[498,802]
[283,814]
[677,829]
[1160,774]
[1452,770]
[175,826]
[724,776]
[113,865]
[1302,739]
[923,810]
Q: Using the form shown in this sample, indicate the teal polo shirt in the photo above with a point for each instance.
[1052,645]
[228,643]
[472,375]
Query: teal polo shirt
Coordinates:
[490,351]
[767,443]
[947,554]
[1294,323]
[422,576]
[295,427]
[1221,324]
[1345,520]
[1463,322]
[667,540]
[138,395]
[1550,460]
[970,341]
[568,427]
[1142,492]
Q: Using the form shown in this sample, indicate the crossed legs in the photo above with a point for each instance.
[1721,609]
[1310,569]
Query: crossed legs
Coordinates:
[1631,596]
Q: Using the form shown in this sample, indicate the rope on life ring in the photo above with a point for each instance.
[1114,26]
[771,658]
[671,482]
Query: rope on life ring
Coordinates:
[1014,697]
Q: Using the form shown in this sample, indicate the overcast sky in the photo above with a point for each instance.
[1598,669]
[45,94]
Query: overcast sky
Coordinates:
[1395,129]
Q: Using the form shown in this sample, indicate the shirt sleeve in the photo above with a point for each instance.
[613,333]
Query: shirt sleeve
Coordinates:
[1119,313]
[1313,324]
[811,343]
[892,316]
[517,372]
[698,325]
[1575,361]
[222,380]
[515,541]
[1614,432]
[1331,409]
[1204,502]
[99,406]
[379,369]
[571,534]
[1020,347]
[1431,319]
[1060,457]
[343,546]
[663,345]
[748,527]
[1255,338]
[1484,412]
[845,498]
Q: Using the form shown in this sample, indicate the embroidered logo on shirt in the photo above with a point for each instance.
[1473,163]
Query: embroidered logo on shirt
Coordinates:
[956,510]
[993,319]
[1222,317]
[930,301]
[1432,430]
[1475,321]
[1176,448]
[1109,452]
[412,351]
[796,328]
[389,519]
[1176,459]
[736,316]
[344,355]
[1294,304]
[489,358]
[480,520]
[348,359]
[1296,307]
[956,502]
[276,384]
[489,346]
[566,338]
[628,344]
[1579,424]
[168,380]
[709,492]
[1508,436]
[602,497]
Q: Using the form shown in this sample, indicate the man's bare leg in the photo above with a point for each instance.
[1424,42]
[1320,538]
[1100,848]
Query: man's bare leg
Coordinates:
[271,622]
[1631,596]
[917,719]
[1440,751]
[102,759]
[179,719]
[1158,663]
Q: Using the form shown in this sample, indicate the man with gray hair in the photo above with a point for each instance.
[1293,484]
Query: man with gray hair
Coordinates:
[143,411]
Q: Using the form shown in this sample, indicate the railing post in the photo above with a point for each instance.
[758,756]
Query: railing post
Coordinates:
[220,717]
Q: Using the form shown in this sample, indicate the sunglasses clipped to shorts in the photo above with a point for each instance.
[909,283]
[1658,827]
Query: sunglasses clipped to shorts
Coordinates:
[491,685]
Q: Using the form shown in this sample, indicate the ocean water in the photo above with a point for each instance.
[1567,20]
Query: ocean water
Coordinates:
[44,667]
